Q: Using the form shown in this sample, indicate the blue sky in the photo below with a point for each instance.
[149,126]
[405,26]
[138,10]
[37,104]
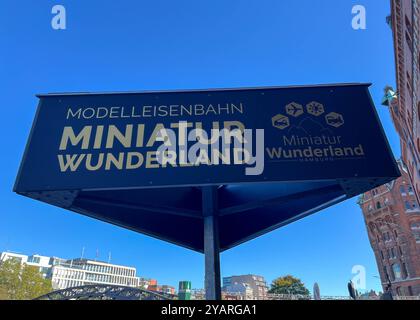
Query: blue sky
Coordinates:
[140,45]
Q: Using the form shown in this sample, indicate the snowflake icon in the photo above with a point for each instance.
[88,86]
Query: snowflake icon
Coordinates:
[315,108]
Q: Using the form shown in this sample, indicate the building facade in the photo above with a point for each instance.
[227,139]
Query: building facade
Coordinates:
[40,262]
[391,211]
[404,103]
[392,217]
[146,283]
[67,273]
[152,285]
[253,283]
[184,290]
[238,291]
[80,272]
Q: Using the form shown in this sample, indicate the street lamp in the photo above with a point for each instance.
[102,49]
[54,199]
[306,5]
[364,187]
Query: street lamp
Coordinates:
[390,95]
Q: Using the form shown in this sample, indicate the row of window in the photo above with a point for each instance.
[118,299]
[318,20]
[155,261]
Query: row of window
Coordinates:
[109,269]
[407,291]
[397,272]
[80,275]
[415,229]
[68,273]
[416,235]
[390,253]
[409,31]
[64,284]
[409,205]
[405,190]
[379,205]
[110,279]
[44,270]
[34,259]
[376,227]
[386,236]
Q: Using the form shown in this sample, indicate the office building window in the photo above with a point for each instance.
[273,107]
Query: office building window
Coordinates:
[410,291]
[404,270]
[396,270]
[416,234]
[386,275]
[386,236]
[34,259]
[400,250]
[415,226]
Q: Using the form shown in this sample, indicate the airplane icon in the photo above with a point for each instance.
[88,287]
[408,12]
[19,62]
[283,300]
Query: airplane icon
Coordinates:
[294,109]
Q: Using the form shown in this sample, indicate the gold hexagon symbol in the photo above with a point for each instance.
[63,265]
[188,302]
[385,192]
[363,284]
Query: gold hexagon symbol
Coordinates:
[334,119]
[294,109]
[280,121]
[315,108]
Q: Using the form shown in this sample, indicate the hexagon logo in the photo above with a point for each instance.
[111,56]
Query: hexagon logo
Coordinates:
[294,109]
[315,108]
[334,119]
[280,121]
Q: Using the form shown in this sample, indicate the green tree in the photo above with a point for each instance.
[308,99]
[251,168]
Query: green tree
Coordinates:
[288,285]
[21,282]
[3,294]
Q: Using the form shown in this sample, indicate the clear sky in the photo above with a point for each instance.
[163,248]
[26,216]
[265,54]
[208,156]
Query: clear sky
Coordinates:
[140,45]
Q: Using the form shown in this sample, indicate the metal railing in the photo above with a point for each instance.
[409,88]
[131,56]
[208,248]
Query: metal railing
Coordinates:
[103,292]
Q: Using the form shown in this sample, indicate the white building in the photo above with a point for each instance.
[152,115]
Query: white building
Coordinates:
[242,290]
[79,272]
[42,262]
[66,273]
[257,284]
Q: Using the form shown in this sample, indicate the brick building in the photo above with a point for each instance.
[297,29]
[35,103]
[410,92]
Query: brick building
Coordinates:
[404,103]
[392,217]
[391,211]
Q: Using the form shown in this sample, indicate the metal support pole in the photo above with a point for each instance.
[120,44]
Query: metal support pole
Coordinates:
[211,243]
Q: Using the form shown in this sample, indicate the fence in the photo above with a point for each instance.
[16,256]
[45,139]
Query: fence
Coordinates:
[198,294]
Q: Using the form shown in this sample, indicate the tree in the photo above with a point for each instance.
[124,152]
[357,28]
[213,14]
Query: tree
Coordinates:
[288,285]
[3,294]
[21,282]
